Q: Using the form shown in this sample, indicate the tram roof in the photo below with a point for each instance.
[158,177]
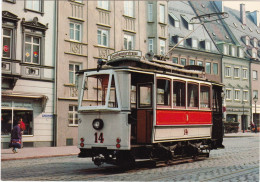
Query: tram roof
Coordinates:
[155,66]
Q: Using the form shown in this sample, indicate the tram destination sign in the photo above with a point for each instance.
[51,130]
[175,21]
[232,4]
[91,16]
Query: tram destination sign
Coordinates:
[121,54]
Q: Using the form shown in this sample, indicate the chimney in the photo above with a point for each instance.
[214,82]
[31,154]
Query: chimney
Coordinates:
[243,14]
[256,17]
[219,5]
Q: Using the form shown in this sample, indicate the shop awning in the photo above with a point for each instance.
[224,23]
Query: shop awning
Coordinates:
[28,95]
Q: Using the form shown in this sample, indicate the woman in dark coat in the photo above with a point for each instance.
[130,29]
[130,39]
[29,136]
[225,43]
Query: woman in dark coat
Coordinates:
[16,137]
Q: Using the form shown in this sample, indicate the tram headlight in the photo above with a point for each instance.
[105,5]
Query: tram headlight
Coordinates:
[98,124]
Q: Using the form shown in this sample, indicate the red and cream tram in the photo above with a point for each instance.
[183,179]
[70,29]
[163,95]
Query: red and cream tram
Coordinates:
[133,108]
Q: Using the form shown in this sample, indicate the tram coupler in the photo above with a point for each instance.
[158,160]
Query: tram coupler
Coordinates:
[98,160]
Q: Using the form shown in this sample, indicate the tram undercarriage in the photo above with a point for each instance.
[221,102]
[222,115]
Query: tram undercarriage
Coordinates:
[166,151]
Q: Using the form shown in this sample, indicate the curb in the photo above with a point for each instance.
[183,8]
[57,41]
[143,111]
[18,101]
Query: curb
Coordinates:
[36,157]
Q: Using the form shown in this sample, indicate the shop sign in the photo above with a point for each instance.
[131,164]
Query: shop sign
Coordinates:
[121,54]
[47,115]
[22,105]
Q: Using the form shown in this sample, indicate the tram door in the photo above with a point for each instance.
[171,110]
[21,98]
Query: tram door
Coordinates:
[144,112]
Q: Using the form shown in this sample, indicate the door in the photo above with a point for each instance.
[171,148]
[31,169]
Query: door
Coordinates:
[144,112]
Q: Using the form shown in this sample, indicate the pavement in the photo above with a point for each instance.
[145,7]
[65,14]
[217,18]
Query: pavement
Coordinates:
[41,152]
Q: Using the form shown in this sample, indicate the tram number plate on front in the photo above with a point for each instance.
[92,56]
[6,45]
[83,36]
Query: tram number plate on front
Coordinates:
[99,138]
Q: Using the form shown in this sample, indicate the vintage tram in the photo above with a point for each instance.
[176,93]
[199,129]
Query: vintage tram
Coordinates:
[132,107]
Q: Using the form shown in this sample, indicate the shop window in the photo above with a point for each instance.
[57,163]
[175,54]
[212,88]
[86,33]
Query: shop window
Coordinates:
[163,92]
[179,90]
[193,95]
[204,97]
[10,118]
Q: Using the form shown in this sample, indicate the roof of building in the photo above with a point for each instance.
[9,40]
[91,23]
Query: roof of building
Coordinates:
[183,12]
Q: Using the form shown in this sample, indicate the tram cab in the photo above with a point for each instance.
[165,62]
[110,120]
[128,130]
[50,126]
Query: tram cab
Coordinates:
[133,108]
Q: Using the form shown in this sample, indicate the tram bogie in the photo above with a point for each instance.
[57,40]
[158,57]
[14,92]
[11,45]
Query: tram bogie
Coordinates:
[134,109]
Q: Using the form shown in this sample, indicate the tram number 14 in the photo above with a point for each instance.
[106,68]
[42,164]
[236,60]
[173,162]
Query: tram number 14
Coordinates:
[99,138]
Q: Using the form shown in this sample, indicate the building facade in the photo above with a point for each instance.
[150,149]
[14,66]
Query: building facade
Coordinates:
[28,50]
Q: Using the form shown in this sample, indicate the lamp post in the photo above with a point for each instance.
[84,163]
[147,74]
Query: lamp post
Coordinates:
[255,100]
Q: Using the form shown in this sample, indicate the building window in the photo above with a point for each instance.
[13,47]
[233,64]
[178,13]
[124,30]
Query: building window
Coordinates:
[162,47]
[244,73]
[150,12]
[174,20]
[255,43]
[180,41]
[150,45]
[233,53]
[7,42]
[208,68]
[75,32]
[195,43]
[162,13]
[183,61]
[253,55]
[175,60]
[225,49]
[247,41]
[129,8]
[73,115]
[228,71]
[32,49]
[103,4]
[236,72]
[237,94]
[245,95]
[255,94]
[102,37]
[241,53]
[228,94]
[190,26]
[207,46]
[73,68]
[199,63]
[35,5]
[128,42]
[255,75]
[215,68]
[192,62]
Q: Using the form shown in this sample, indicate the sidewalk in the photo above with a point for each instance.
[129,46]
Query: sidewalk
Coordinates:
[38,152]
[241,134]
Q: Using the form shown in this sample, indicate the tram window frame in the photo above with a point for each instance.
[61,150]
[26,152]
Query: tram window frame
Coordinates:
[198,95]
[169,93]
[151,95]
[182,106]
[209,97]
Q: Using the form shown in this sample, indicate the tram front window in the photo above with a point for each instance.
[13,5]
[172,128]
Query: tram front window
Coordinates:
[96,89]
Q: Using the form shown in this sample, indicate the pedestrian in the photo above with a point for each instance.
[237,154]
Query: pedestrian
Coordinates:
[16,137]
[22,126]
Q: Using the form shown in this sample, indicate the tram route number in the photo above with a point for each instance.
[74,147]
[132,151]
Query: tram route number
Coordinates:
[99,137]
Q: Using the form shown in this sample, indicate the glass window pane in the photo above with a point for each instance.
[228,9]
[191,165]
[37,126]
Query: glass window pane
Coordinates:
[28,38]
[183,61]
[175,60]
[71,67]
[192,62]
[208,68]
[36,40]
[145,99]
[71,77]
[6,47]
[36,54]
[163,92]
[36,5]
[205,97]
[193,99]
[179,94]
[28,52]
[6,32]
[6,122]
[77,35]
[76,67]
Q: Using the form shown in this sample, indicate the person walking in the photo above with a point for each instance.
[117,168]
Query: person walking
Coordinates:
[16,137]
[22,126]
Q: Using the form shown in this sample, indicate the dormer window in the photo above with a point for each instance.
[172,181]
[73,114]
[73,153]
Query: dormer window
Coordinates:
[174,20]
[180,40]
[241,52]
[233,51]
[243,27]
[188,25]
[227,37]
[258,31]
[253,55]
[205,45]
[254,42]
[235,25]
[250,29]
[225,49]
[195,43]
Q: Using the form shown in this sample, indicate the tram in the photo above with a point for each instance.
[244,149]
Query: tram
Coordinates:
[134,107]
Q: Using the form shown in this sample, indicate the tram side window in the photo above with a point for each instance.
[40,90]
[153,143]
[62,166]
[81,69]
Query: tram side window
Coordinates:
[179,94]
[145,96]
[112,102]
[193,95]
[204,97]
[133,96]
[163,92]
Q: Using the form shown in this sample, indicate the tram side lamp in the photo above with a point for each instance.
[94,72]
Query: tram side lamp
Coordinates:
[98,124]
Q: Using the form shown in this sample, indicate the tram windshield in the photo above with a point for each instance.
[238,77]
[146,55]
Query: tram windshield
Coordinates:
[99,92]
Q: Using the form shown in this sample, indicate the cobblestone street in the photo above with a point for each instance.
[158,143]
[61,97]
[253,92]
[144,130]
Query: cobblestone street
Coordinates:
[239,161]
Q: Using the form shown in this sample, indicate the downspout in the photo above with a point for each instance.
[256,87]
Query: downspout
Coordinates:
[55,58]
